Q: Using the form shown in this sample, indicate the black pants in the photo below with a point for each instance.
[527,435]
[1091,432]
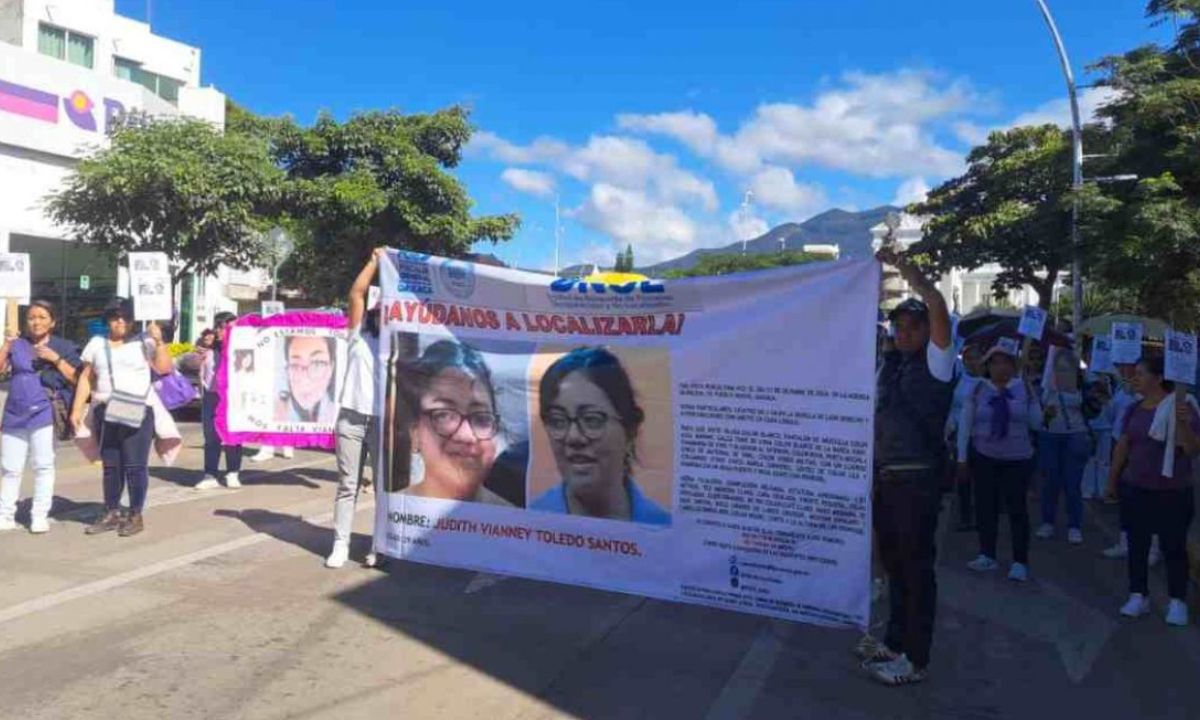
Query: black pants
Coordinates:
[125,454]
[1002,482]
[906,517]
[1166,513]
[966,503]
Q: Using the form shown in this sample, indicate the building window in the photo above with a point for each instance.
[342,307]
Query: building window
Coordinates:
[65,45]
[161,85]
[124,68]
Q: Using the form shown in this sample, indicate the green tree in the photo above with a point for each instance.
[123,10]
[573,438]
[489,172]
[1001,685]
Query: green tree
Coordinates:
[724,264]
[1144,237]
[178,186]
[379,178]
[1011,207]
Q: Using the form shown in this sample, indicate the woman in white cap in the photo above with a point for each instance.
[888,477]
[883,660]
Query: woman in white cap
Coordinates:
[995,451]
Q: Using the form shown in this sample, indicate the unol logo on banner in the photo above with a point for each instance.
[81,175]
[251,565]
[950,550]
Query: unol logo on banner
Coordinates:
[645,287]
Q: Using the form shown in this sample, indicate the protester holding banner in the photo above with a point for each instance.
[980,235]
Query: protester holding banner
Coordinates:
[964,387]
[1064,443]
[912,402]
[126,414]
[210,362]
[43,375]
[996,442]
[1160,440]
[357,428]
[592,418]
[451,420]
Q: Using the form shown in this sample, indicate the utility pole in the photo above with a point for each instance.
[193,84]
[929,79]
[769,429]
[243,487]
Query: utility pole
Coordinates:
[1076,168]
[557,236]
[744,216]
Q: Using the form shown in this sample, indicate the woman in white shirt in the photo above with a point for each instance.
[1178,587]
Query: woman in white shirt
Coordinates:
[357,429]
[116,373]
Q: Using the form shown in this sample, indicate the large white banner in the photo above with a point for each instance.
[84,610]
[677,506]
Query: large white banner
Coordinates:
[703,440]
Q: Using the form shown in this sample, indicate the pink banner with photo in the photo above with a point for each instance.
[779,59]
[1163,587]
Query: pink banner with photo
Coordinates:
[280,379]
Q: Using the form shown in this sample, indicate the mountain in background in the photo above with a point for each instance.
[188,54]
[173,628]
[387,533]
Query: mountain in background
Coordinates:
[851,231]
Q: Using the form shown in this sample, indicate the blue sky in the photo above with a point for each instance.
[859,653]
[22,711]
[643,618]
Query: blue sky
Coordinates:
[650,120]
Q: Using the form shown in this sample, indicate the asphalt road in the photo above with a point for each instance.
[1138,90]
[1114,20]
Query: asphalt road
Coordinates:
[222,609]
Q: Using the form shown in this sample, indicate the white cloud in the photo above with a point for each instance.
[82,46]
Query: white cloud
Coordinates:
[531,182]
[542,150]
[623,162]
[912,190]
[872,125]
[695,130]
[658,231]
[776,188]
[1058,112]
[747,226]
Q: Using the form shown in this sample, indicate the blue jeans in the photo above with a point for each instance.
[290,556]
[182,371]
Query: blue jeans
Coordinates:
[212,441]
[125,454]
[1062,459]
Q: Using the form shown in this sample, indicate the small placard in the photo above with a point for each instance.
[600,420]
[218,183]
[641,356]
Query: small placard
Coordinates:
[1181,357]
[85,282]
[1127,343]
[1102,355]
[1033,322]
[14,276]
[272,307]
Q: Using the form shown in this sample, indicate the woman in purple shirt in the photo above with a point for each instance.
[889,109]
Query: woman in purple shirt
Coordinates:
[1157,489]
[43,370]
[995,447]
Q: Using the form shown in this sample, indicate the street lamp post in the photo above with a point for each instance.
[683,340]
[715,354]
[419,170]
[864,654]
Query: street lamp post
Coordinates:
[1076,168]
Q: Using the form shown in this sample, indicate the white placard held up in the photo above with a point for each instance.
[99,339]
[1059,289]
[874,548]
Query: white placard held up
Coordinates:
[1010,346]
[148,263]
[151,297]
[1102,355]
[1127,343]
[14,276]
[1181,357]
[1033,322]
[150,285]
[272,307]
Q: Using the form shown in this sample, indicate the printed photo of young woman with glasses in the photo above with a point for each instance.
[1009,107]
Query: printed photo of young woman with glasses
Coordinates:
[593,419]
[445,405]
[310,368]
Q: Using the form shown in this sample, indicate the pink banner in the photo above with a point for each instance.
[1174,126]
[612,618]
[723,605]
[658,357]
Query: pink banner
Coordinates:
[280,379]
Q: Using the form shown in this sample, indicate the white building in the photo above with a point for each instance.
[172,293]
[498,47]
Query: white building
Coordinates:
[964,290]
[68,70]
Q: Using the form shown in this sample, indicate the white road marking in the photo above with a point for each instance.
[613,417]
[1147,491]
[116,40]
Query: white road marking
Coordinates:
[745,685]
[52,600]
[482,581]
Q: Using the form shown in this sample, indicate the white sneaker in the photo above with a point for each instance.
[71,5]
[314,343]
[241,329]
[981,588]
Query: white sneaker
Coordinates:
[232,481]
[1118,551]
[1019,572]
[1177,613]
[338,557]
[39,526]
[983,563]
[1045,532]
[1075,536]
[1137,606]
[264,454]
[208,483]
[7,524]
[288,453]
[896,672]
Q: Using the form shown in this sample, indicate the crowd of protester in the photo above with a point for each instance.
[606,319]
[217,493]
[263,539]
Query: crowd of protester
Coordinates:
[1019,420]
[982,423]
